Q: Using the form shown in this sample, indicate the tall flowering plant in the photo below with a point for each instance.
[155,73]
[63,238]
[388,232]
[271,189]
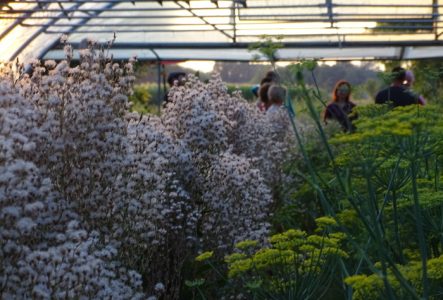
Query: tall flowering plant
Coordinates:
[98,202]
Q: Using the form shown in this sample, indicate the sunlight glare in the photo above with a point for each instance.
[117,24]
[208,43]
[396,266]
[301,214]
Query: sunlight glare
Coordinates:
[205,66]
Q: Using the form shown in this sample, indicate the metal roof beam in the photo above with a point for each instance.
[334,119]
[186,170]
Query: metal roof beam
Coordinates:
[289,18]
[328,4]
[241,45]
[37,33]
[435,16]
[204,20]
[239,34]
[74,27]
[118,25]
[396,21]
[324,17]
[249,8]
[424,26]
[17,22]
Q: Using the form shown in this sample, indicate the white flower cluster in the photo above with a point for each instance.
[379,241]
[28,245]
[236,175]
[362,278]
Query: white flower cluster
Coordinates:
[237,154]
[46,252]
[97,202]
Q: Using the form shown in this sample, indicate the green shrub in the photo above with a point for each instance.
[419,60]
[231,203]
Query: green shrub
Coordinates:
[143,99]
[295,265]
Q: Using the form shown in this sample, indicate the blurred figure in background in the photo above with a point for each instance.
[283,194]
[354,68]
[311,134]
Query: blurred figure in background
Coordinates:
[276,97]
[260,104]
[263,96]
[174,77]
[341,106]
[397,92]
[270,78]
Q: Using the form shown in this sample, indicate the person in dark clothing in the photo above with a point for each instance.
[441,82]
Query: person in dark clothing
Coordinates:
[397,93]
[176,76]
[263,96]
[341,106]
[179,78]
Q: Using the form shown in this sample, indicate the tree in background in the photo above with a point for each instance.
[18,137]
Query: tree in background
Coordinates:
[429,78]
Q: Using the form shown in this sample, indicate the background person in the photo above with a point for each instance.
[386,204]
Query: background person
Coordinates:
[174,77]
[276,96]
[397,93]
[341,106]
[270,79]
[263,96]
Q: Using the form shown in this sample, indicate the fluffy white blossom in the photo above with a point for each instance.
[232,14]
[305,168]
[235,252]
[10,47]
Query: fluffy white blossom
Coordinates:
[97,202]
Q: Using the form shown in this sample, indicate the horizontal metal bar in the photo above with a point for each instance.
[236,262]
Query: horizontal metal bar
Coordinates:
[235,1]
[385,5]
[115,17]
[130,24]
[336,15]
[336,19]
[264,28]
[394,56]
[396,34]
[239,32]
[129,9]
[295,6]
[122,24]
[286,45]
[132,31]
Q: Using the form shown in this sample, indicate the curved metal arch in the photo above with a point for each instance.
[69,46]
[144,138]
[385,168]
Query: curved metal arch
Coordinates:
[53,21]
[106,8]
[39,31]
[83,22]
[18,21]
[88,18]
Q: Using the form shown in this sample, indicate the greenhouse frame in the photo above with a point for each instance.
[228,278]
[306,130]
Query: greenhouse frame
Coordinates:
[224,30]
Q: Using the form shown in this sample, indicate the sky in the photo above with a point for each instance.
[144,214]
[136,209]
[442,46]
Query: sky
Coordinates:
[207,66]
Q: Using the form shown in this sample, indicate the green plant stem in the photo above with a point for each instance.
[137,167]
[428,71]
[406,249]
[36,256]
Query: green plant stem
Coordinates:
[396,230]
[419,226]
[200,292]
[327,206]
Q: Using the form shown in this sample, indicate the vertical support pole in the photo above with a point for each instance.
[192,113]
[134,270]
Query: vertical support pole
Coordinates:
[164,80]
[330,14]
[234,24]
[159,93]
[436,18]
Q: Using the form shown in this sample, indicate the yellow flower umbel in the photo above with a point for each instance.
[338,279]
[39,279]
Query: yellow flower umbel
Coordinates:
[204,256]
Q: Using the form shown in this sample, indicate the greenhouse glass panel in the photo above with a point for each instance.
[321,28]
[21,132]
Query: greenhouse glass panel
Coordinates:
[31,28]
